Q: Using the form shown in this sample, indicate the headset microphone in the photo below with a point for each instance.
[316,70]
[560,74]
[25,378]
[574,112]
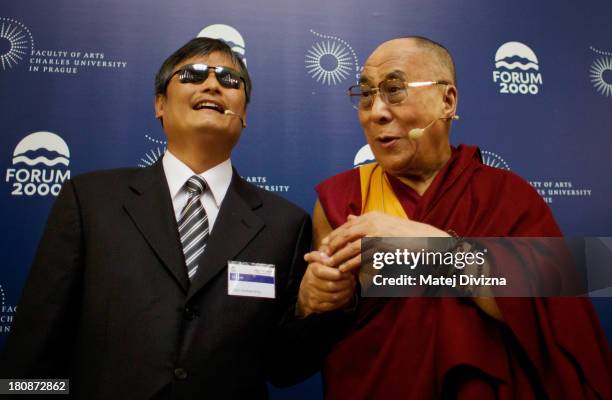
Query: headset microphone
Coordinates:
[418,132]
[230,112]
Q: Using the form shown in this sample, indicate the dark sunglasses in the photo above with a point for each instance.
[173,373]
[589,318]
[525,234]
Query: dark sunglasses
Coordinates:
[198,73]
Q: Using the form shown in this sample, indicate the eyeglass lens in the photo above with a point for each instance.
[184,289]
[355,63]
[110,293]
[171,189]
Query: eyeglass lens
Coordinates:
[392,91]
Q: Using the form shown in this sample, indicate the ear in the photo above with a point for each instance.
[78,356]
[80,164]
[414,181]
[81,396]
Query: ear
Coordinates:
[450,101]
[160,102]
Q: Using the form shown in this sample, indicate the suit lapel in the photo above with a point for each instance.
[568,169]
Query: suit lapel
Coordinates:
[236,225]
[150,207]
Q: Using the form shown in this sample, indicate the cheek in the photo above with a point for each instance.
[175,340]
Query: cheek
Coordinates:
[429,107]
[363,117]
[239,101]
[369,130]
[370,137]
[411,118]
[179,96]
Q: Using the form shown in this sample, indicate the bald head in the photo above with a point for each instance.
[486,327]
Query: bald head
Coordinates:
[437,57]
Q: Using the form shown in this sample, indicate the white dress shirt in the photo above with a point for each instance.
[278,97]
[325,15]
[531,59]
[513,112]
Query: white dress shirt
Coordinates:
[217,181]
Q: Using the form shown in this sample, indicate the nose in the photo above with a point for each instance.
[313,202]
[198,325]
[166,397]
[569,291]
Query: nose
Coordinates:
[380,112]
[210,84]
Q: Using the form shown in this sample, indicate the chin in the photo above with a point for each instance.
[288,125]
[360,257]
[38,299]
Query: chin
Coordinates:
[394,158]
[397,165]
[210,126]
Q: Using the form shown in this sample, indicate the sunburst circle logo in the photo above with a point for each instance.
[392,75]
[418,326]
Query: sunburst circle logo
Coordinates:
[331,60]
[15,42]
[601,73]
[493,160]
[151,156]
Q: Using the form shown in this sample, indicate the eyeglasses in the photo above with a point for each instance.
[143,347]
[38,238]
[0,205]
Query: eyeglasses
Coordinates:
[198,73]
[392,91]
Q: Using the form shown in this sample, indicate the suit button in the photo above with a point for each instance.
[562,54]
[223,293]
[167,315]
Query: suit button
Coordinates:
[180,374]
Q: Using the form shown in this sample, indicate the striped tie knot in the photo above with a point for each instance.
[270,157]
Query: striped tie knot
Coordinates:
[195,186]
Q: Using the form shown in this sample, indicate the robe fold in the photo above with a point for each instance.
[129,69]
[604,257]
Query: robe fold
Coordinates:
[415,348]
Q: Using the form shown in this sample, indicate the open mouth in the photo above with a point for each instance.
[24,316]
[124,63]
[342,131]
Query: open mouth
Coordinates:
[387,139]
[209,105]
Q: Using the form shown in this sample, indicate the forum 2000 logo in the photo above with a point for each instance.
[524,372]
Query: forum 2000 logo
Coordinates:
[40,165]
[516,69]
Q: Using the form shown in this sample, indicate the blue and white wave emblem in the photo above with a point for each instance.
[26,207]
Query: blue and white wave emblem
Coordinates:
[42,148]
[516,55]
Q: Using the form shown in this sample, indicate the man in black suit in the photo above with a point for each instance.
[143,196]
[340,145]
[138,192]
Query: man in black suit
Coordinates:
[174,281]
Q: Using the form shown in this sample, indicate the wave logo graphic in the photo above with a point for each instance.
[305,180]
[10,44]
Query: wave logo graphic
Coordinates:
[363,156]
[42,148]
[513,55]
[229,35]
[517,69]
[29,177]
[154,154]
[16,42]
[331,60]
[601,72]
[494,160]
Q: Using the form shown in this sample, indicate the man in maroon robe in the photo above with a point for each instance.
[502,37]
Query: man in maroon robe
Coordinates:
[418,347]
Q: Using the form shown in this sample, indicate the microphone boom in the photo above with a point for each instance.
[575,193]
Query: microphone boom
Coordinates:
[418,132]
[230,112]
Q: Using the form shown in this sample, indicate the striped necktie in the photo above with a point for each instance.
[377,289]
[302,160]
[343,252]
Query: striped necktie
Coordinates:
[193,225]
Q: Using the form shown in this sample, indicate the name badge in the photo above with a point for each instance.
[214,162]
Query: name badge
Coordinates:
[250,279]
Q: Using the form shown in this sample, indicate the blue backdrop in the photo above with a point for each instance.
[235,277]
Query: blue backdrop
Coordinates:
[76,93]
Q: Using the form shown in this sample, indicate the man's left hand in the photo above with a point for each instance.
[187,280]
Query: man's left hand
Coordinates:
[344,243]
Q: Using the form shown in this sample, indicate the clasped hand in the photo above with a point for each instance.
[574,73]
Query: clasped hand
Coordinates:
[330,279]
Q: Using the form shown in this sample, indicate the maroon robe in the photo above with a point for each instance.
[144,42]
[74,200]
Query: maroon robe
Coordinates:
[417,348]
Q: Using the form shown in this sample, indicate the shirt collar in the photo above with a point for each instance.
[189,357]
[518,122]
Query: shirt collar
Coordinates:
[217,178]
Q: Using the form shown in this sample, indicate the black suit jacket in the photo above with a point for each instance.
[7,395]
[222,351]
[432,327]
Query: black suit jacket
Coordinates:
[108,303]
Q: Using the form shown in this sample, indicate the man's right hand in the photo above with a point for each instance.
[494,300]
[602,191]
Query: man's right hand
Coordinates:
[324,288]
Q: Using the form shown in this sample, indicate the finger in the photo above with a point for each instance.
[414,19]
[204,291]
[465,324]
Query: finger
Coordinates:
[350,232]
[309,256]
[324,272]
[345,254]
[317,257]
[342,298]
[352,265]
[336,286]
[314,284]
[323,248]
[338,231]
[334,299]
